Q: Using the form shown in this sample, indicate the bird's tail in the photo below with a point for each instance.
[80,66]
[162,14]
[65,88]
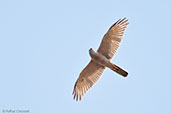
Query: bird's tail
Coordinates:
[119,70]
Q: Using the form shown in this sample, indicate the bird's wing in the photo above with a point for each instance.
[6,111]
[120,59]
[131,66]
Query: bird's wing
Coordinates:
[112,38]
[89,76]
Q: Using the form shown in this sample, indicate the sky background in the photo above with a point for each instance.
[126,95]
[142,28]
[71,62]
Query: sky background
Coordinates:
[44,46]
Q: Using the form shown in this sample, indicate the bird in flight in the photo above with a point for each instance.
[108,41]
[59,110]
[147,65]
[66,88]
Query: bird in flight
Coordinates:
[101,59]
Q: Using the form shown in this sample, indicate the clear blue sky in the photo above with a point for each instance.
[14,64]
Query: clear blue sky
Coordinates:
[44,46]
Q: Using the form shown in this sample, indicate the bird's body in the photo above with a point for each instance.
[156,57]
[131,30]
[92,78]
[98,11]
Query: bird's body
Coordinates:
[101,59]
[105,62]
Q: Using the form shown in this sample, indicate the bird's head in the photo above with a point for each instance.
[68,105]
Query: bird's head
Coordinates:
[90,49]
[91,52]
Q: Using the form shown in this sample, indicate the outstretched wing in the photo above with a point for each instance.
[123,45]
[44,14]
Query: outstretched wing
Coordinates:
[112,38]
[89,76]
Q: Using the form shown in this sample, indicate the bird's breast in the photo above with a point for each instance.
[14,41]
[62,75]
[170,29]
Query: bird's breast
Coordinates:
[100,59]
